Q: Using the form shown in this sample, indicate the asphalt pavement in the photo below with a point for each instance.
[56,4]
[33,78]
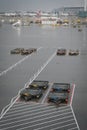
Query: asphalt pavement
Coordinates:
[35,116]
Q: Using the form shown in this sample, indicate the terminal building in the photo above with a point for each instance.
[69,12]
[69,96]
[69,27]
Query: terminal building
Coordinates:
[72,11]
[68,10]
[82,14]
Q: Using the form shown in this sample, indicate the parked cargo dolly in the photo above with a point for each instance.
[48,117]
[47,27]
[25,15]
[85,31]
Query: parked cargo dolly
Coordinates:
[60,94]
[61,87]
[73,52]
[39,84]
[29,94]
[26,52]
[17,50]
[61,51]
[23,51]
[58,98]
[50,93]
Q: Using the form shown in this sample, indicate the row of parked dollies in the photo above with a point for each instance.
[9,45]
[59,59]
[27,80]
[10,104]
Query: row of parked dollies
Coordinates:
[23,51]
[59,93]
[70,52]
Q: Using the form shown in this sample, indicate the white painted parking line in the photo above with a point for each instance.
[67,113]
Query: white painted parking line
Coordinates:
[46,94]
[22,105]
[4,111]
[41,69]
[33,120]
[26,111]
[75,118]
[61,126]
[33,114]
[19,62]
[53,124]
[42,119]
[27,123]
[25,104]
[45,123]
[73,89]
[73,128]
[29,108]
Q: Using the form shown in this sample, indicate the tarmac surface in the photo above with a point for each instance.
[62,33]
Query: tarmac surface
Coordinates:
[34,116]
[63,69]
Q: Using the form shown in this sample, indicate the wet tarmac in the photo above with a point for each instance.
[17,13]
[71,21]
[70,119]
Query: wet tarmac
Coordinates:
[63,69]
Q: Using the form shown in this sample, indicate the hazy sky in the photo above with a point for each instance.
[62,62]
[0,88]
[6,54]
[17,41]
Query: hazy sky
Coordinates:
[34,5]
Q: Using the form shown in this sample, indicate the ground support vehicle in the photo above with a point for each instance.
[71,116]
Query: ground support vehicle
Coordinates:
[33,49]
[39,84]
[61,87]
[17,50]
[73,52]
[58,98]
[61,52]
[23,51]
[26,52]
[30,94]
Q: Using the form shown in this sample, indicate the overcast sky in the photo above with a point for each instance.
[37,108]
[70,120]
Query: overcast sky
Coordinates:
[34,5]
